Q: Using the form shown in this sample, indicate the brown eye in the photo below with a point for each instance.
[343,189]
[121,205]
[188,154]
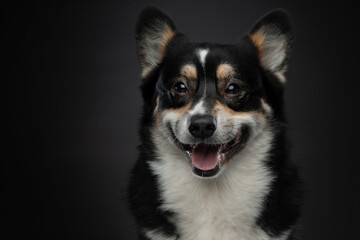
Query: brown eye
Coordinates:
[180,87]
[232,89]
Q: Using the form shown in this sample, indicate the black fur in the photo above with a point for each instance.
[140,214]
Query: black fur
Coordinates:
[282,205]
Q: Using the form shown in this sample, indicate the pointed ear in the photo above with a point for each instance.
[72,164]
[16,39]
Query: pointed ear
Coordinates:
[154,31]
[272,35]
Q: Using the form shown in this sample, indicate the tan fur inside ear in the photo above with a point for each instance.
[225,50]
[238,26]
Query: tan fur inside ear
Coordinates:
[165,39]
[154,46]
[271,46]
[258,40]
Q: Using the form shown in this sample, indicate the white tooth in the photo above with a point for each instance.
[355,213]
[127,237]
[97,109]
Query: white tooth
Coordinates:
[221,157]
[188,153]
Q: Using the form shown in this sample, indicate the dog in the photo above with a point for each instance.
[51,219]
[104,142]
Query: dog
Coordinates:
[214,155]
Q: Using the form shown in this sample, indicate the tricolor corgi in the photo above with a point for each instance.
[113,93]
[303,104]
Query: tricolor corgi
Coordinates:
[214,155]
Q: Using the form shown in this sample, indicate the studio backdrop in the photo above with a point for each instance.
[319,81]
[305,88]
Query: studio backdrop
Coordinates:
[73,105]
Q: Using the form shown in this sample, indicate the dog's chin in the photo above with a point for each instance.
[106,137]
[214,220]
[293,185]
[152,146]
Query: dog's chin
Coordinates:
[207,160]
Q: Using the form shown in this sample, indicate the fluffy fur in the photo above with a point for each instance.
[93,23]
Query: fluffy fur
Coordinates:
[237,92]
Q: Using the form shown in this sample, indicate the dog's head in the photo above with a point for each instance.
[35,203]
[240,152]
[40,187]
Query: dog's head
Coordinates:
[210,100]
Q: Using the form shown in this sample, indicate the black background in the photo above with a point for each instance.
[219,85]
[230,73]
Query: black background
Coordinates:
[70,81]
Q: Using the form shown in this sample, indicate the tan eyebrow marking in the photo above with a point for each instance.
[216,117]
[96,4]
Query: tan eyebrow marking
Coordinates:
[189,71]
[225,70]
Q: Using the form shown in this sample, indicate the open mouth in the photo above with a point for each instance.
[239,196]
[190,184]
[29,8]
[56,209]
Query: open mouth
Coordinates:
[207,159]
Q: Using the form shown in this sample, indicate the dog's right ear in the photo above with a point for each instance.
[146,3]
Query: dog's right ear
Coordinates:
[154,31]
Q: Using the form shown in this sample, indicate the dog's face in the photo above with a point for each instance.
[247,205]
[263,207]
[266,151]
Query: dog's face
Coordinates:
[210,100]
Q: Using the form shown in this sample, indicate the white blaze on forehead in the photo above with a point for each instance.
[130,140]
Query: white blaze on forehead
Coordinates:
[202,53]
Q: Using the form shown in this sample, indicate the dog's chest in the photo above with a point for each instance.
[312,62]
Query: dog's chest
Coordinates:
[208,214]
[223,208]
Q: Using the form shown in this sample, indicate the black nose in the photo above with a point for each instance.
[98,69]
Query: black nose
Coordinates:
[202,126]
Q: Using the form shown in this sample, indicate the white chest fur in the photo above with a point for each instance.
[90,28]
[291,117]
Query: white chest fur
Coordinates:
[225,207]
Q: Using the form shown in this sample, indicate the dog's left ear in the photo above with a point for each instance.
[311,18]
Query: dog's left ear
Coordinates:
[272,36]
[154,31]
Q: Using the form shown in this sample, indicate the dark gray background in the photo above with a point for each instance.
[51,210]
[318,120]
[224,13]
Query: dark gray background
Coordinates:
[74,106]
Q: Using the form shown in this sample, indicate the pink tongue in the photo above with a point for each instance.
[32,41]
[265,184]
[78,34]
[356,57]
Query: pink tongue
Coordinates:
[205,157]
